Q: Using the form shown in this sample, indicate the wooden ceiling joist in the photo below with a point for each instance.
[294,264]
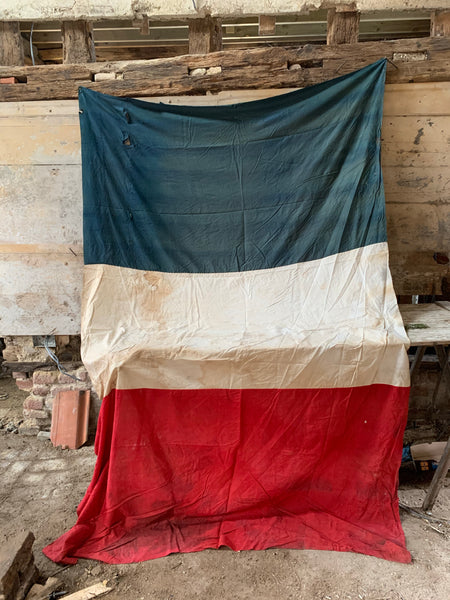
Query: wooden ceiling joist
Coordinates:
[78,42]
[205,35]
[440,23]
[343,26]
[11,44]
[415,60]
[124,37]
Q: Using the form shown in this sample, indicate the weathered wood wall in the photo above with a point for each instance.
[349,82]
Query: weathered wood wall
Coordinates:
[41,201]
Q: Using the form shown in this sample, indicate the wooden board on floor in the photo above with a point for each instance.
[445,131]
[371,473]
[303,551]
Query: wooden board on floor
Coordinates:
[40,194]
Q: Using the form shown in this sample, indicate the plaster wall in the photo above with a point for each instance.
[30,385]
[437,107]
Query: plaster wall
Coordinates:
[35,10]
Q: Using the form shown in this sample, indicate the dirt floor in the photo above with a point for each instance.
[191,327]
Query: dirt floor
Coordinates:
[41,486]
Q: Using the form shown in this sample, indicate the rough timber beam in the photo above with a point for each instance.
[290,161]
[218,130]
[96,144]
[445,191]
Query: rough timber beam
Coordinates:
[413,60]
[205,35]
[440,23]
[342,26]
[11,44]
[78,42]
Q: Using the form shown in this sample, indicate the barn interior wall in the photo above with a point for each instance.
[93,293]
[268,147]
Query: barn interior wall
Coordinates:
[41,198]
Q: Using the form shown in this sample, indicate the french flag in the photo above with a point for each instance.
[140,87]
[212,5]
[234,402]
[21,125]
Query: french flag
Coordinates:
[240,323]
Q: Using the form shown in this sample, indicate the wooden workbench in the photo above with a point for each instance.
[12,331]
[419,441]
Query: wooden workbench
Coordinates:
[428,325]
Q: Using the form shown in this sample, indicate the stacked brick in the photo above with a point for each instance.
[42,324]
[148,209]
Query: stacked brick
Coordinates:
[43,385]
[17,569]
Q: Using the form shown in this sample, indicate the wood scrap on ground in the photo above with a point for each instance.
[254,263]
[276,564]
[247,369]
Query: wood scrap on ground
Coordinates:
[17,569]
[93,591]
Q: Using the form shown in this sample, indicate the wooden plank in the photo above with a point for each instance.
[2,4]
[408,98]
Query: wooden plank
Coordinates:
[93,591]
[426,324]
[239,69]
[78,42]
[11,44]
[342,26]
[421,99]
[394,154]
[416,185]
[414,227]
[418,132]
[416,233]
[205,35]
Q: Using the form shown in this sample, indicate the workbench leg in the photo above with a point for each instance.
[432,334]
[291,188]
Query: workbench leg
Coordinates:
[438,479]
[418,356]
[442,389]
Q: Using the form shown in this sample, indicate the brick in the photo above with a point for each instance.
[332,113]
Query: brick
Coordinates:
[82,374]
[66,379]
[33,403]
[8,80]
[24,384]
[19,375]
[41,390]
[30,413]
[45,377]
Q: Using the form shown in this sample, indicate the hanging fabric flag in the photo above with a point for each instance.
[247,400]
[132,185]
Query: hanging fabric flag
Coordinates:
[240,323]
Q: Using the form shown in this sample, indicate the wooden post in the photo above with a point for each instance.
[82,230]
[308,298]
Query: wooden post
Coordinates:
[78,42]
[343,25]
[205,35]
[11,44]
[440,23]
[267,25]
[438,479]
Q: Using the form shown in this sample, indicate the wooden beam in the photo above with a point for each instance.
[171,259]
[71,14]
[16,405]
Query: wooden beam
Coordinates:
[205,35]
[11,44]
[78,42]
[267,25]
[343,26]
[232,69]
[438,479]
[440,23]
[104,54]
